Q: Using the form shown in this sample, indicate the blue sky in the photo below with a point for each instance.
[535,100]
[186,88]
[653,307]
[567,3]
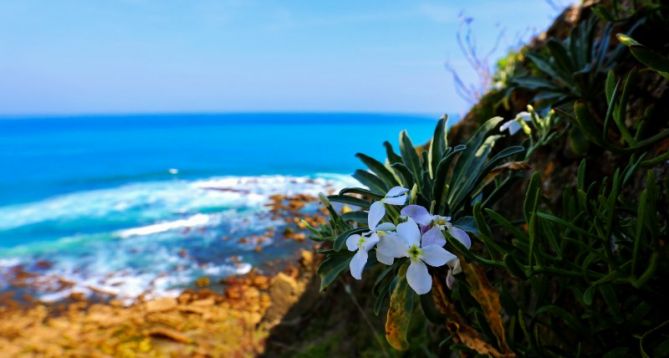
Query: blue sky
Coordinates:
[127,56]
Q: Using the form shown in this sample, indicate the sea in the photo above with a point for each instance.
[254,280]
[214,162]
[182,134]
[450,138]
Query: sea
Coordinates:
[142,205]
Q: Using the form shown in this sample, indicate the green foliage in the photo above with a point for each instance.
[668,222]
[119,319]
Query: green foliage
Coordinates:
[443,178]
[628,139]
[598,251]
[580,273]
[572,68]
[648,57]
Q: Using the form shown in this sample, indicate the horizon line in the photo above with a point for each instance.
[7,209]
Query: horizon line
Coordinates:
[4,116]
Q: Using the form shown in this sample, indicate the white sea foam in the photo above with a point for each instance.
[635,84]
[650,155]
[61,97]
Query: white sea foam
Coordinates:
[197,220]
[180,231]
[152,200]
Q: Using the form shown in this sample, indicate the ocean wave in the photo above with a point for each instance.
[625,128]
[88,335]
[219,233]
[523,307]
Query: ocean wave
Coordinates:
[154,200]
[195,221]
[158,237]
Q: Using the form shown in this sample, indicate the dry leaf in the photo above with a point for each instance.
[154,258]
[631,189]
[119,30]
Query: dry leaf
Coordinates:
[398,319]
[459,330]
[488,297]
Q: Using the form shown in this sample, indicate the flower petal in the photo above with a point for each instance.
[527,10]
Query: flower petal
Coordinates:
[370,242]
[352,242]
[409,232]
[358,264]
[397,200]
[376,212]
[524,115]
[434,236]
[396,196]
[418,213]
[455,266]
[460,235]
[419,278]
[450,279]
[396,191]
[385,227]
[514,127]
[391,246]
[436,256]
[382,258]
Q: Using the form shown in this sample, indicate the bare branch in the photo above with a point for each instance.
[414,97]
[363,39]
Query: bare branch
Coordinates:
[466,40]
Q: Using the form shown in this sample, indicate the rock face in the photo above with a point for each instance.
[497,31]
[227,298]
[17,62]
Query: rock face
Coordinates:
[283,292]
[199,322]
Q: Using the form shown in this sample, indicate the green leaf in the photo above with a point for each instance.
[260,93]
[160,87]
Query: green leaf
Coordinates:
[585,121]
[359,217]
[532,196]
[340,241]
[409,155]
[588,295]
[507,225]
[648,57]
[513,267]
[404,173]
[332,267]
[383,286]
[534,83]
[503,154]
[610,85]
[437,146]
[645,219]
[390,153]
[379,169]
[360,191]
[563,315]
[621,108]
[335,220]
[430,309]
[559,53]
[440,188]
[549,69]
[469,171]
[371,181]
[611,96]
[345,199]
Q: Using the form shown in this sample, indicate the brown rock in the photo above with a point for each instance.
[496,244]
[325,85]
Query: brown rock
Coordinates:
[202,281]
[306,258]
[283,291]
[162,332]
[161,304]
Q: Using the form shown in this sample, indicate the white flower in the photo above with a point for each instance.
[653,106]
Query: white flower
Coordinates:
[420,215]
[454,269]
[514,125]
[396,196]
[420,250]
[365,242]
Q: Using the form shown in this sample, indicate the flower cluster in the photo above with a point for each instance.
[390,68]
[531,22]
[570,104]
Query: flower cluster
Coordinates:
[419,237]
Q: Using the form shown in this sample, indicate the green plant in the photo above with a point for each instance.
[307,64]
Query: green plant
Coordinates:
[447,180]
[571,69]
[588,271]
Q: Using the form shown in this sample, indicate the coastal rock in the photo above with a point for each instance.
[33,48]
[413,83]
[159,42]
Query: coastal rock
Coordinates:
[161,304]
[283,292]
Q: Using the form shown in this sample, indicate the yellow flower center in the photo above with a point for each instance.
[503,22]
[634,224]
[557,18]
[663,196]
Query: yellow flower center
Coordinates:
[361,241]
[440,221]
[415,253]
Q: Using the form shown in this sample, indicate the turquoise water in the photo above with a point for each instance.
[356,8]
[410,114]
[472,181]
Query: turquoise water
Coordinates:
[143,195]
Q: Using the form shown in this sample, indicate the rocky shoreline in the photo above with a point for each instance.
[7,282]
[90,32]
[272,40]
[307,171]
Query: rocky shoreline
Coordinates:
[231,317]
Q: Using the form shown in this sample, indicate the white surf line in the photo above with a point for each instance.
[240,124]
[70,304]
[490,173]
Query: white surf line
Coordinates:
[193,221]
